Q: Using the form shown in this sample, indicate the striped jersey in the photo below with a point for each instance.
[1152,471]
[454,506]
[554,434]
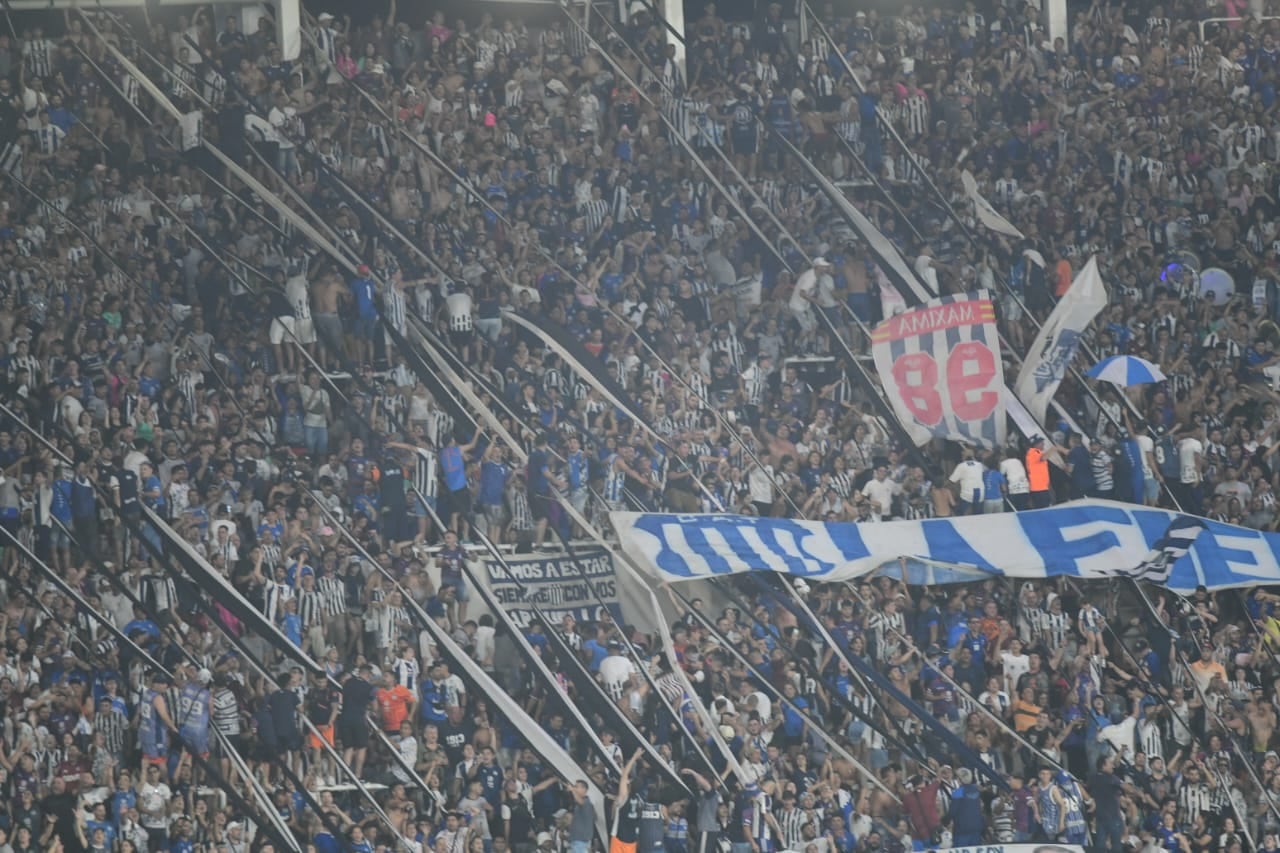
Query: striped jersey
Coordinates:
[426,472]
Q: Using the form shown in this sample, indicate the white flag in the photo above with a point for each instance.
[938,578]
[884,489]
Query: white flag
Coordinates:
[1059,338]
[987,214]
[192,125]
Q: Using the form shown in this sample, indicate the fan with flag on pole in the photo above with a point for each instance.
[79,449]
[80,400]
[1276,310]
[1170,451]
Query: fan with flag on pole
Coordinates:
[1126,371]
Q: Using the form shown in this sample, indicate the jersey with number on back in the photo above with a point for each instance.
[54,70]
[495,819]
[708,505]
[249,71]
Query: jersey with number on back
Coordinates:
[193,710]
[652,828]
[1167,457]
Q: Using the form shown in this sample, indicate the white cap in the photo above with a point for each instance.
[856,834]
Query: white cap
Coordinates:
[204,676]
[821,262]
[324,16]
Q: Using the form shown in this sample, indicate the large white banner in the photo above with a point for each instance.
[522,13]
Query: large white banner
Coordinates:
[1087,539]
[941,370]
[1059,339]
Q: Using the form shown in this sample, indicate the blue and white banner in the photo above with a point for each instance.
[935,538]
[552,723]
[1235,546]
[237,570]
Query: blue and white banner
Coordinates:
[1086,539]
[555,585]
[1054,348]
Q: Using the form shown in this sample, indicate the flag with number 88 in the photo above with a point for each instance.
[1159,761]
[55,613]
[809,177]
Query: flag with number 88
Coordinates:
[940,367]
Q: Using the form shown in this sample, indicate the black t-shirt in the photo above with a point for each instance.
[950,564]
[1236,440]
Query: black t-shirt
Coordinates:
[1105,790]
[63,806]
[520,817]
[357,695]
[320,704]
[128,491]
[283,704]
[455,736]
[626,819]
[391,487]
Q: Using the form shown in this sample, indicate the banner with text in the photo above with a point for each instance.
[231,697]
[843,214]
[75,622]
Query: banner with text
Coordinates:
[940,367]
[1085,539]
[556,585]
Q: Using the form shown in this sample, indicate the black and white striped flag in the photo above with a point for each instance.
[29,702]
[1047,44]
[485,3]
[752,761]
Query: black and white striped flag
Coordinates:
[1166,551]
[11,159]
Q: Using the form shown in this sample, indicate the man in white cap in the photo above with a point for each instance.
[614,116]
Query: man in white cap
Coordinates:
[327,44]
[804,295]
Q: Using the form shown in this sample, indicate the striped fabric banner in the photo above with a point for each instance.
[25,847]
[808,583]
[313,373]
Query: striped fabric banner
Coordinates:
[941,370]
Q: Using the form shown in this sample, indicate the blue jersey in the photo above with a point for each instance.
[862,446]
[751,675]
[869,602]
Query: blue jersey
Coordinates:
[493,483]
[84,501]
[1048,813]
[491,784]
[365,295]
[153,737]
[577,470]
[193,717]
[433,697]
[455,469]
[992,480]
[1076,828]
[60,505]
[450,561]
[108,831]
[121,802]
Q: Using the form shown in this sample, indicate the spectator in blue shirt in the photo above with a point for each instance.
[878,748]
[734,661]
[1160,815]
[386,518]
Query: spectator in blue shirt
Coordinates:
[365,295]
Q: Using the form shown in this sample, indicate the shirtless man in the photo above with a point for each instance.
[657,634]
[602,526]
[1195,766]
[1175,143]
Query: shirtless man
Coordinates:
[328,293]
[1262,723]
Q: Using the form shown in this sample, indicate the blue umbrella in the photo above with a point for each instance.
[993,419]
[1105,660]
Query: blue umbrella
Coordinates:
[1126,370]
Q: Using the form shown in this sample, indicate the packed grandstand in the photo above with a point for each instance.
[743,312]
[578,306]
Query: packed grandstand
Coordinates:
[390,435]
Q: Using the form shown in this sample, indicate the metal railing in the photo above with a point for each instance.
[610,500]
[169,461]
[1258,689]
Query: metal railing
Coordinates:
[1207,21]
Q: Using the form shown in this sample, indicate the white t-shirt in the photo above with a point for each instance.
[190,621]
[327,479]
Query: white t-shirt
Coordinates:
[969,475]
[827,292]
[881,492]
[1188,450]
[1146,446]
[926,272]
[807,283]
[1016,476]
[1015,666]
[616,669]
[282,121]
[764,707]
[295,290]
[760,484]
[408,749]
[150,799]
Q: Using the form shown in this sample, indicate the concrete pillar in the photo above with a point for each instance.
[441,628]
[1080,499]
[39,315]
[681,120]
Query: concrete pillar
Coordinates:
[1056,21]
[672,11]
[288,28]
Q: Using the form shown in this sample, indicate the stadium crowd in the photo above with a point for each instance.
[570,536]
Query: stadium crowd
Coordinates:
[174,342]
